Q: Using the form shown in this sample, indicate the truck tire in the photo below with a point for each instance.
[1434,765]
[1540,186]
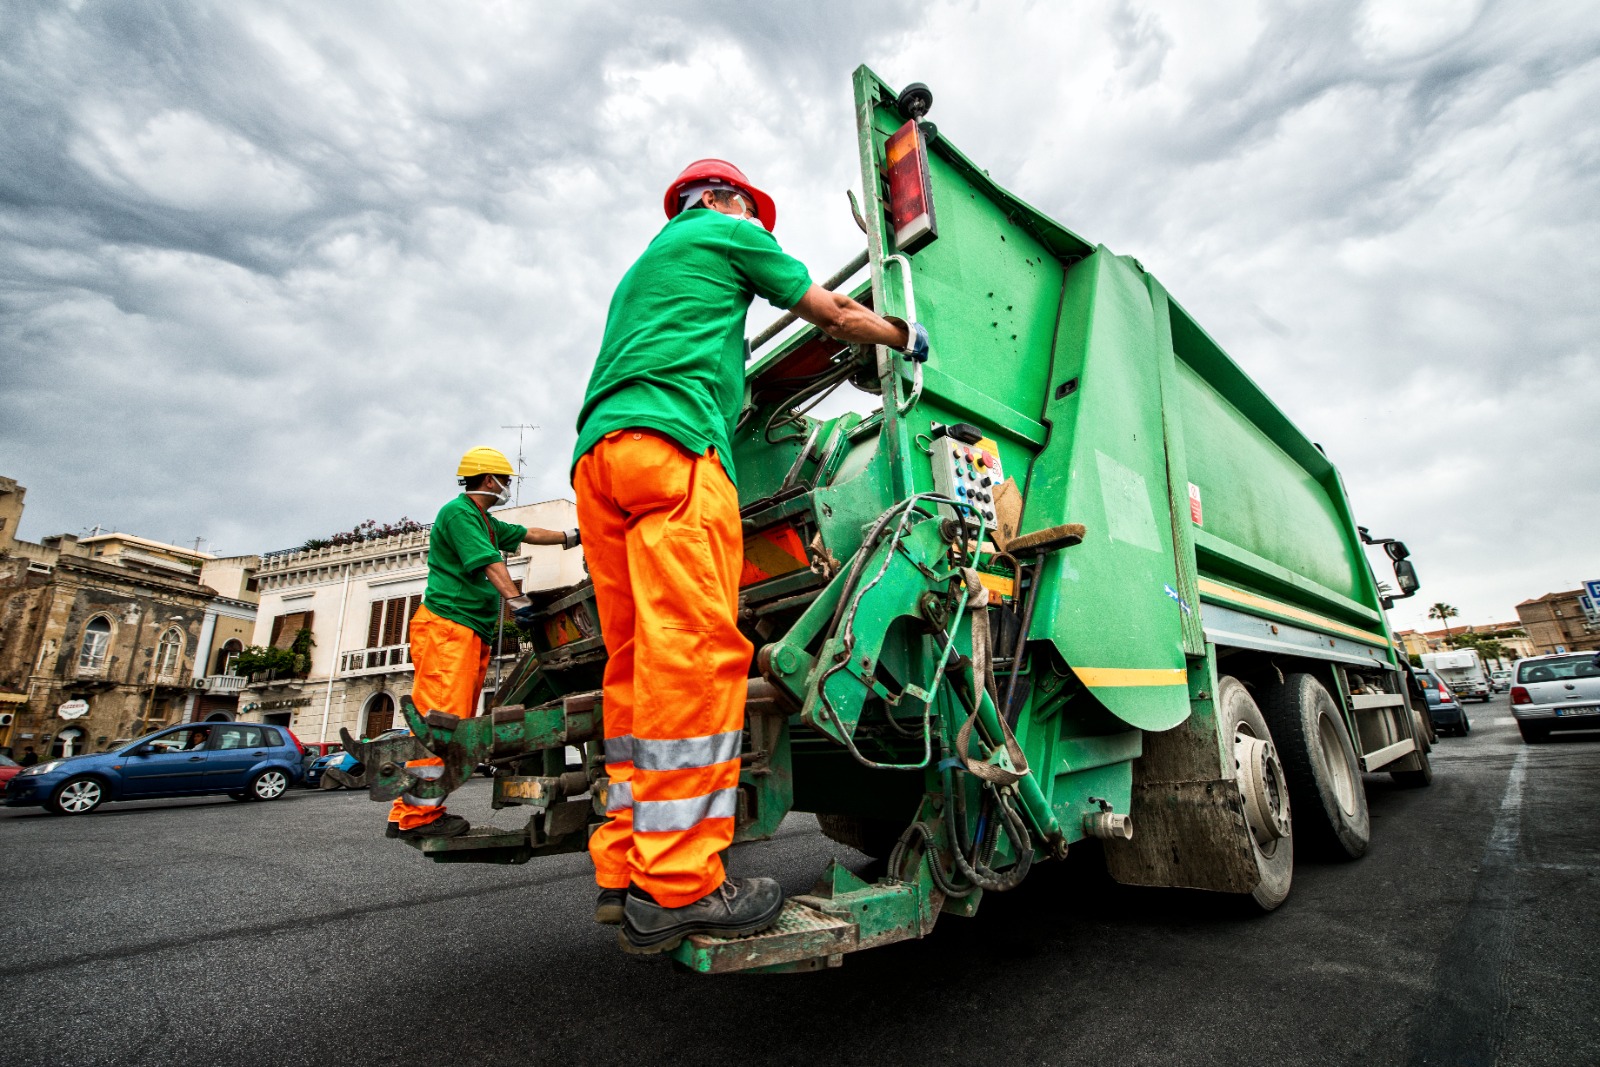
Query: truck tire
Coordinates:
[1259,772]
[871,837]
[1320,759]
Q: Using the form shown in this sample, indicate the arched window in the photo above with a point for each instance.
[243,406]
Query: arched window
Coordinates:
[96,639]
[169,651]
[227,654]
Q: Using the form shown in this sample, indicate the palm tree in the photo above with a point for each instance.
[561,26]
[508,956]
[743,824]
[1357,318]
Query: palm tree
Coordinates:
[1444,613]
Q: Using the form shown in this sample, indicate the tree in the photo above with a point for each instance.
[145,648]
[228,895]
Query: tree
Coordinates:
[1444,613]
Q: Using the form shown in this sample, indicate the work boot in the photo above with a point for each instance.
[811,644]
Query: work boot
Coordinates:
[608,907]
[391,829]
[446,825]
[737,907]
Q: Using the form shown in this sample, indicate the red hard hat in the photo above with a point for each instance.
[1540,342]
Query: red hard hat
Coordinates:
[719,170]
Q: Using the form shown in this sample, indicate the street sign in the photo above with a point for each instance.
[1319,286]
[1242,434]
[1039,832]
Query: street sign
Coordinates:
[1590,599]
[73,709]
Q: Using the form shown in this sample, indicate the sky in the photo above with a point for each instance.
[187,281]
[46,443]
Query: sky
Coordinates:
[268,269]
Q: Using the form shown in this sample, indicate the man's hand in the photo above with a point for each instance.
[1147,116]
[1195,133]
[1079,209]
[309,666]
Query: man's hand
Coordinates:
[916,343]
[522,610]
[570,538]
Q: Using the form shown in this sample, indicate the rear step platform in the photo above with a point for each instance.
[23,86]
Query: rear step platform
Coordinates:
[803,939]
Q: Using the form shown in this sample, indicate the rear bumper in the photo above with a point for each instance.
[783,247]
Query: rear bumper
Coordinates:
[1588,714]
[1447,714]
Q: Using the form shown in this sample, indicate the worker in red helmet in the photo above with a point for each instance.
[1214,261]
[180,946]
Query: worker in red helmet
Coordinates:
[657,503]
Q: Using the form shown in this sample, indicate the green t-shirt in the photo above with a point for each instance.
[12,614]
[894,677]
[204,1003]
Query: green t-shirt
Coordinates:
[672,358]
[459,549]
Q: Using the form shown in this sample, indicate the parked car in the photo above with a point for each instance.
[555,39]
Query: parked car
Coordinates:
[1445,710]
[1500,680]
[350,769]
[247,761]
[311,753]
[9,769]
[1556,692]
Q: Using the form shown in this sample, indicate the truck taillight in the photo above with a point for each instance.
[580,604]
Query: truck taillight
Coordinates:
[910,190]
[1519,695]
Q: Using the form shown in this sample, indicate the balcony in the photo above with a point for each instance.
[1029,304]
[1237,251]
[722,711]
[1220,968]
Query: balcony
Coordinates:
[375,660]
[223,684]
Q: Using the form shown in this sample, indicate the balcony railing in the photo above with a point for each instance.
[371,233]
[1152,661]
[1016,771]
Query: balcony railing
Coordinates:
[376,660]
[224,683]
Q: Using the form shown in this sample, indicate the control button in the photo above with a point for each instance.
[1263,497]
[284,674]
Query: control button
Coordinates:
[986,481]
[982,460]
[961,490]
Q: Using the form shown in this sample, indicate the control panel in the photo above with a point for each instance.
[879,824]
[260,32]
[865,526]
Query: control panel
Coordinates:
[969,473]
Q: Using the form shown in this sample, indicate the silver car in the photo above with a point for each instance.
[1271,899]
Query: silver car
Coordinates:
[1560,692]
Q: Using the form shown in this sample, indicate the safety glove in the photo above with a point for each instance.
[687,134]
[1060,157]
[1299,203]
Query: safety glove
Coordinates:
[569,538]
[522,610]
[916,347]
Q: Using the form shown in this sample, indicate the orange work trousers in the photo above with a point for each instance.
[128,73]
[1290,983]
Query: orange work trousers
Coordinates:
[450,663]
[662,539]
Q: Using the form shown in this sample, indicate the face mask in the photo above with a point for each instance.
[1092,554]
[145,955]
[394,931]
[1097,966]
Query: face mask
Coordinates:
[501,496]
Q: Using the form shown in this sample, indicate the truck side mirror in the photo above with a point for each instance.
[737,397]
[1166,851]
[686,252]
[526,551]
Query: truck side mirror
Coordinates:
[1405,576]
[1397,551]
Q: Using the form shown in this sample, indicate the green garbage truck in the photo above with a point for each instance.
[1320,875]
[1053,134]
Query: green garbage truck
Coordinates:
[1075,577]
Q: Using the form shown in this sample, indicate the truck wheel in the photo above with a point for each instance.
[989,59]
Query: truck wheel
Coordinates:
[872,837]
[1324,775]
[1259,772]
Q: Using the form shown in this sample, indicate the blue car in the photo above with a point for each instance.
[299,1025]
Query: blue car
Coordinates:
[1444,708]
[351,773]
[244,760]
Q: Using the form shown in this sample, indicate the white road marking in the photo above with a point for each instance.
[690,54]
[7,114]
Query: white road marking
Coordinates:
[1507,832]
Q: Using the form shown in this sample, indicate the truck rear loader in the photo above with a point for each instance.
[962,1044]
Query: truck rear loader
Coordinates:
[1075,577]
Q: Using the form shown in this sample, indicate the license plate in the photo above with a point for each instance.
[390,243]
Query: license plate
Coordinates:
[1591,710]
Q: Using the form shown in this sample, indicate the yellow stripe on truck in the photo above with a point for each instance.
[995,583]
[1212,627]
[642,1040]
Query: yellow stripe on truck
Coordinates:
[1102,677]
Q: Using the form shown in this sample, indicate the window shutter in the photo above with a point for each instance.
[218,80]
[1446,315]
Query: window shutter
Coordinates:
[411,612]
[375,625]
[277,630]
[394,620]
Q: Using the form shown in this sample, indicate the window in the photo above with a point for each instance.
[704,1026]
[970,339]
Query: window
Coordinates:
[285,627]
[169,652]
[272,737]
[227,654]
[68,742]
[390,621]
[235,736]
[96,639]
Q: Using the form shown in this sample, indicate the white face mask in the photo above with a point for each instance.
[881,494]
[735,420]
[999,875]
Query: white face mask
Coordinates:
[501,495]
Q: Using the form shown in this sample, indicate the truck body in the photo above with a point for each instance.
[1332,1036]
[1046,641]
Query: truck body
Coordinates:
[1075,577]
[1462,671]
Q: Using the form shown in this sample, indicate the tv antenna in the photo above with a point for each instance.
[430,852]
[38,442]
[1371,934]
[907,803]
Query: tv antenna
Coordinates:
[521,428]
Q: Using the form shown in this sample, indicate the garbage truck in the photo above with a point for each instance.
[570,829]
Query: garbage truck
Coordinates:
[1075,581]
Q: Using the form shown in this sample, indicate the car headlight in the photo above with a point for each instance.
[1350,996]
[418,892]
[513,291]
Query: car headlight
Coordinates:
[41,768]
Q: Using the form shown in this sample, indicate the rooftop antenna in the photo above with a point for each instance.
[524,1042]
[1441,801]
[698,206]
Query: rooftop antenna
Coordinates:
[520,427]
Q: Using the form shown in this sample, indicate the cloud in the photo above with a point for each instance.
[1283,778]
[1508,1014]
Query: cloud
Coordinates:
[266,269]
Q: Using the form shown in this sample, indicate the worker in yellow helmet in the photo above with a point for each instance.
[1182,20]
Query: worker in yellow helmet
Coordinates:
[452,630]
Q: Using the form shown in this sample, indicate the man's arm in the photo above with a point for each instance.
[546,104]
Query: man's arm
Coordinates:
[536,536]
[845,320]
[500,578]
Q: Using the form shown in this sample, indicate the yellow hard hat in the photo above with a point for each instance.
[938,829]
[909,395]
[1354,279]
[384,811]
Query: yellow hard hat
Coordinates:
[483,460]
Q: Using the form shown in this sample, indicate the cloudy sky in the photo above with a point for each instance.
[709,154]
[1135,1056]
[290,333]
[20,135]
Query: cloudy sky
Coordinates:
[267,269]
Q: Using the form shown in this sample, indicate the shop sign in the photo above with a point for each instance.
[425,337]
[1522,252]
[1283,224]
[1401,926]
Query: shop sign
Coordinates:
[73,709]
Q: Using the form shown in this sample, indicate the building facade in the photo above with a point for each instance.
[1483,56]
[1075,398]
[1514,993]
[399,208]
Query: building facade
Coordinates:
[98,639]
[1556,623]
[356,600]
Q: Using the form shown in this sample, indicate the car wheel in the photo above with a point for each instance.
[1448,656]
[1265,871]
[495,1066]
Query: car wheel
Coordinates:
[270,784]
[78,796]
[1466,723]
[1325,787]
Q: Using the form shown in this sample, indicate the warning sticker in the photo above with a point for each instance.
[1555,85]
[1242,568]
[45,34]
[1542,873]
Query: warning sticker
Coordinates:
[1195,511]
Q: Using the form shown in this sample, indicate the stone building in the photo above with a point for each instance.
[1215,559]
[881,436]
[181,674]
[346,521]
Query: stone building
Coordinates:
[97,639]
[1556,623]
[357,600]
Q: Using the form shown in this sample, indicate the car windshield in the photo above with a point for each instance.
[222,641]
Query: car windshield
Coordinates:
[6,761]
[1558,670]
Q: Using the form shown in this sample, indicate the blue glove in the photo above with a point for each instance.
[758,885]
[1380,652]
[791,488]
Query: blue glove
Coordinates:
[916,348]
[523,613]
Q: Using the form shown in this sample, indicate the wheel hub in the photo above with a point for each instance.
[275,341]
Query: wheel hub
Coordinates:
[1261,782]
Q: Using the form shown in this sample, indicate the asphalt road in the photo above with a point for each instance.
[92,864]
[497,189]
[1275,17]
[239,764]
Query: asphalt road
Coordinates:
[213,932]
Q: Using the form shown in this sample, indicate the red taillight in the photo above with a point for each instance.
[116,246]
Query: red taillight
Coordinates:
[1520,695]
[296,740]
[910,190]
